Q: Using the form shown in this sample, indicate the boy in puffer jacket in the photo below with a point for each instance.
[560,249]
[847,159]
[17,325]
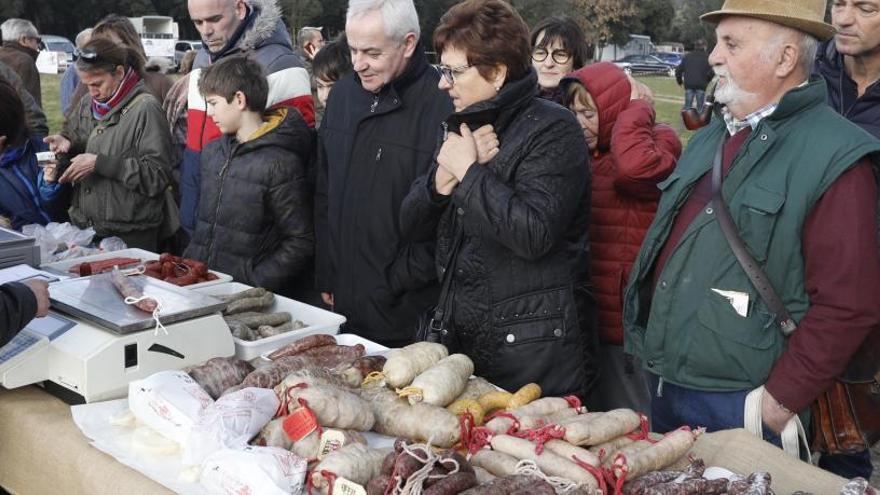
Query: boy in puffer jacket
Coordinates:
[254,218]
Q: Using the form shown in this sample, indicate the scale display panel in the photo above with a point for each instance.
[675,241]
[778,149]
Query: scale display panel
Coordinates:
[49,327]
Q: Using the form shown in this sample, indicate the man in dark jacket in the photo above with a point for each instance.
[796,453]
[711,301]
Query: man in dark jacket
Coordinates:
[378,134]
[229,27]
[695,72]
[21,45]
[850,64]
[19,304]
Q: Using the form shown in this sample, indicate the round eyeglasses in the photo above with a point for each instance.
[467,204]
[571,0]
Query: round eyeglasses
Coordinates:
[558,56]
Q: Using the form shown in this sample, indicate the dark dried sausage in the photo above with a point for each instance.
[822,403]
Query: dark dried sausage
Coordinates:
[303,344]
[452,484]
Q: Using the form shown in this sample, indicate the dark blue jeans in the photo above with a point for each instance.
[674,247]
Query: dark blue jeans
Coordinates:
[677,406]
[694,98]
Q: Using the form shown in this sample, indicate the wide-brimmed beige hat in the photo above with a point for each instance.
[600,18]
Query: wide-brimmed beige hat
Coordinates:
[804,15]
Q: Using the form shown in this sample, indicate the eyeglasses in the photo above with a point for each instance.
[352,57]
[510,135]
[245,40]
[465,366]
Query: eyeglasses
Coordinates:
[449,73]
[559,56]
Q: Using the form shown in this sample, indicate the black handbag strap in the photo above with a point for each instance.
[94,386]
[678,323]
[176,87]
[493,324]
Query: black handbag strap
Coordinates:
[750,266]
[438,320]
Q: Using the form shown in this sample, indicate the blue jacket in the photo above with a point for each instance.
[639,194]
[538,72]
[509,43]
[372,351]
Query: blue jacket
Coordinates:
[69,82]
[843,94]
[20,199]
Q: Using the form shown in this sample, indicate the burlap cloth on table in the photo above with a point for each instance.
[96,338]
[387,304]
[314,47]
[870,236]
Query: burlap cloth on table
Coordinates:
[42,451]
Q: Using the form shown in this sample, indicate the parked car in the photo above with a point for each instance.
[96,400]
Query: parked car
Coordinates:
[183,46]
[645,64]
[52,43]
[670,58]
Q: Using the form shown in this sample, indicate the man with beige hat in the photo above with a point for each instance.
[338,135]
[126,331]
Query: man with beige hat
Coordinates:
[797,181]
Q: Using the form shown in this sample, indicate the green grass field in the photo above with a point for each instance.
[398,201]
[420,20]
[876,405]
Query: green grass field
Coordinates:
[668,95]
[51,101]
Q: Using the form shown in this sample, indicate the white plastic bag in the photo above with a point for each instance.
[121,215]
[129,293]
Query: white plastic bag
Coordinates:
[60,241]
[262,470]
[170,402]
[229,423]
[109,244]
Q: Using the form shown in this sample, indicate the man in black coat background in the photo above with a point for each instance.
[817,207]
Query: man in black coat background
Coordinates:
[695,73]
[379,132]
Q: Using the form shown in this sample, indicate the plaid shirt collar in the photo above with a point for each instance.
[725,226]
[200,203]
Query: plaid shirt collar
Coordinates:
[752,120]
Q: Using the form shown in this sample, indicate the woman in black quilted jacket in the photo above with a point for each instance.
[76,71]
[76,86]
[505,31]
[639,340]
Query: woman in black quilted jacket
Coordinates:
[509,197]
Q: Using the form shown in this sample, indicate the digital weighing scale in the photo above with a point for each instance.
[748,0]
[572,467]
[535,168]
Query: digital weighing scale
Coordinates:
[92,344]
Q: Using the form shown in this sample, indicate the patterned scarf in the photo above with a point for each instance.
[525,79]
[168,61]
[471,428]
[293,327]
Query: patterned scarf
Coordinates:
[129,80]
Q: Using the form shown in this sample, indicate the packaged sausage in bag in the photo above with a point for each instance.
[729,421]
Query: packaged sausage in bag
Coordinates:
[170,402]
[263,470]
[229,423]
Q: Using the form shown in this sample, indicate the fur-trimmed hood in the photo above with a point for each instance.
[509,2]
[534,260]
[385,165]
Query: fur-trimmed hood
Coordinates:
[262,28]
[267,27]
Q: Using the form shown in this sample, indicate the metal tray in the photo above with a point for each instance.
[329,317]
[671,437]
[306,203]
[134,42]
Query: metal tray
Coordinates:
[96,300]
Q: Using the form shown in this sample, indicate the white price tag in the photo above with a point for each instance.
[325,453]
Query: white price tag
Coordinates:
[344,487]
[331,441]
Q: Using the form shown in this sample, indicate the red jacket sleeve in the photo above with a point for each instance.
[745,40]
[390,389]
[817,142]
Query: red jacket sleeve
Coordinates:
[842,278]
[645,153]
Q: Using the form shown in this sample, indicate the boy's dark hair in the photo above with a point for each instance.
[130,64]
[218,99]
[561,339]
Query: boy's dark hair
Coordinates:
[333,61]
[12,125]
[233,74]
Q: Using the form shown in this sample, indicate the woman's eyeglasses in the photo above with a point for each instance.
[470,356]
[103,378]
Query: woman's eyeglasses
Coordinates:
[449,73]
[558,56]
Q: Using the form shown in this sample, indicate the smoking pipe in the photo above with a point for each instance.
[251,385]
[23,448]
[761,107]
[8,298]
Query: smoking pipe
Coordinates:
[694,119]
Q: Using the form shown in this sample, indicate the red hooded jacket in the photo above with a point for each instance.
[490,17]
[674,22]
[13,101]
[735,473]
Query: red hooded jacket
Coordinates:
[632,155]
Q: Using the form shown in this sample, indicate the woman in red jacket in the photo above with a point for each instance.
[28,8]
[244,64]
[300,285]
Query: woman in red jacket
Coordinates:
[630,155]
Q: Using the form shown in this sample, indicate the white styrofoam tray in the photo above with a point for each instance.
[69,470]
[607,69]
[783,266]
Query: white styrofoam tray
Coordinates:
[317,320]
[65,265]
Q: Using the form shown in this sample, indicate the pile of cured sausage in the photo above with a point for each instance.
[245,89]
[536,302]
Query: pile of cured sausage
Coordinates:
[249,318]
[455,433]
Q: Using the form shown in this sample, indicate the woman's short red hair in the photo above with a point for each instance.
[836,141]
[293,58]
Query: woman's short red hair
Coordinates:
[490,32]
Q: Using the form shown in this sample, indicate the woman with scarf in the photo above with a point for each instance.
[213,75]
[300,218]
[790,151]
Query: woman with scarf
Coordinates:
[508,200]
[118,143]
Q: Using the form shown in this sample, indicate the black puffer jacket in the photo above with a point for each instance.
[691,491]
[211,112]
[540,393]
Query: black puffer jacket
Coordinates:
[255,212]
[843,94]
[372,148]
[520,302]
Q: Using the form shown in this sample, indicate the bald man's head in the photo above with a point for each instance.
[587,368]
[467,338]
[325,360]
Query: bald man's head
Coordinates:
[216,20]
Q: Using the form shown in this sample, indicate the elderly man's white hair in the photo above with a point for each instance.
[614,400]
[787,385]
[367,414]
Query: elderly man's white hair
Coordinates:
[83,37]
[13,29]
[807,45]
[398,16]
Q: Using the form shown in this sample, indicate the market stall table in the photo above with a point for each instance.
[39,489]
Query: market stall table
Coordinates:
[42,450]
